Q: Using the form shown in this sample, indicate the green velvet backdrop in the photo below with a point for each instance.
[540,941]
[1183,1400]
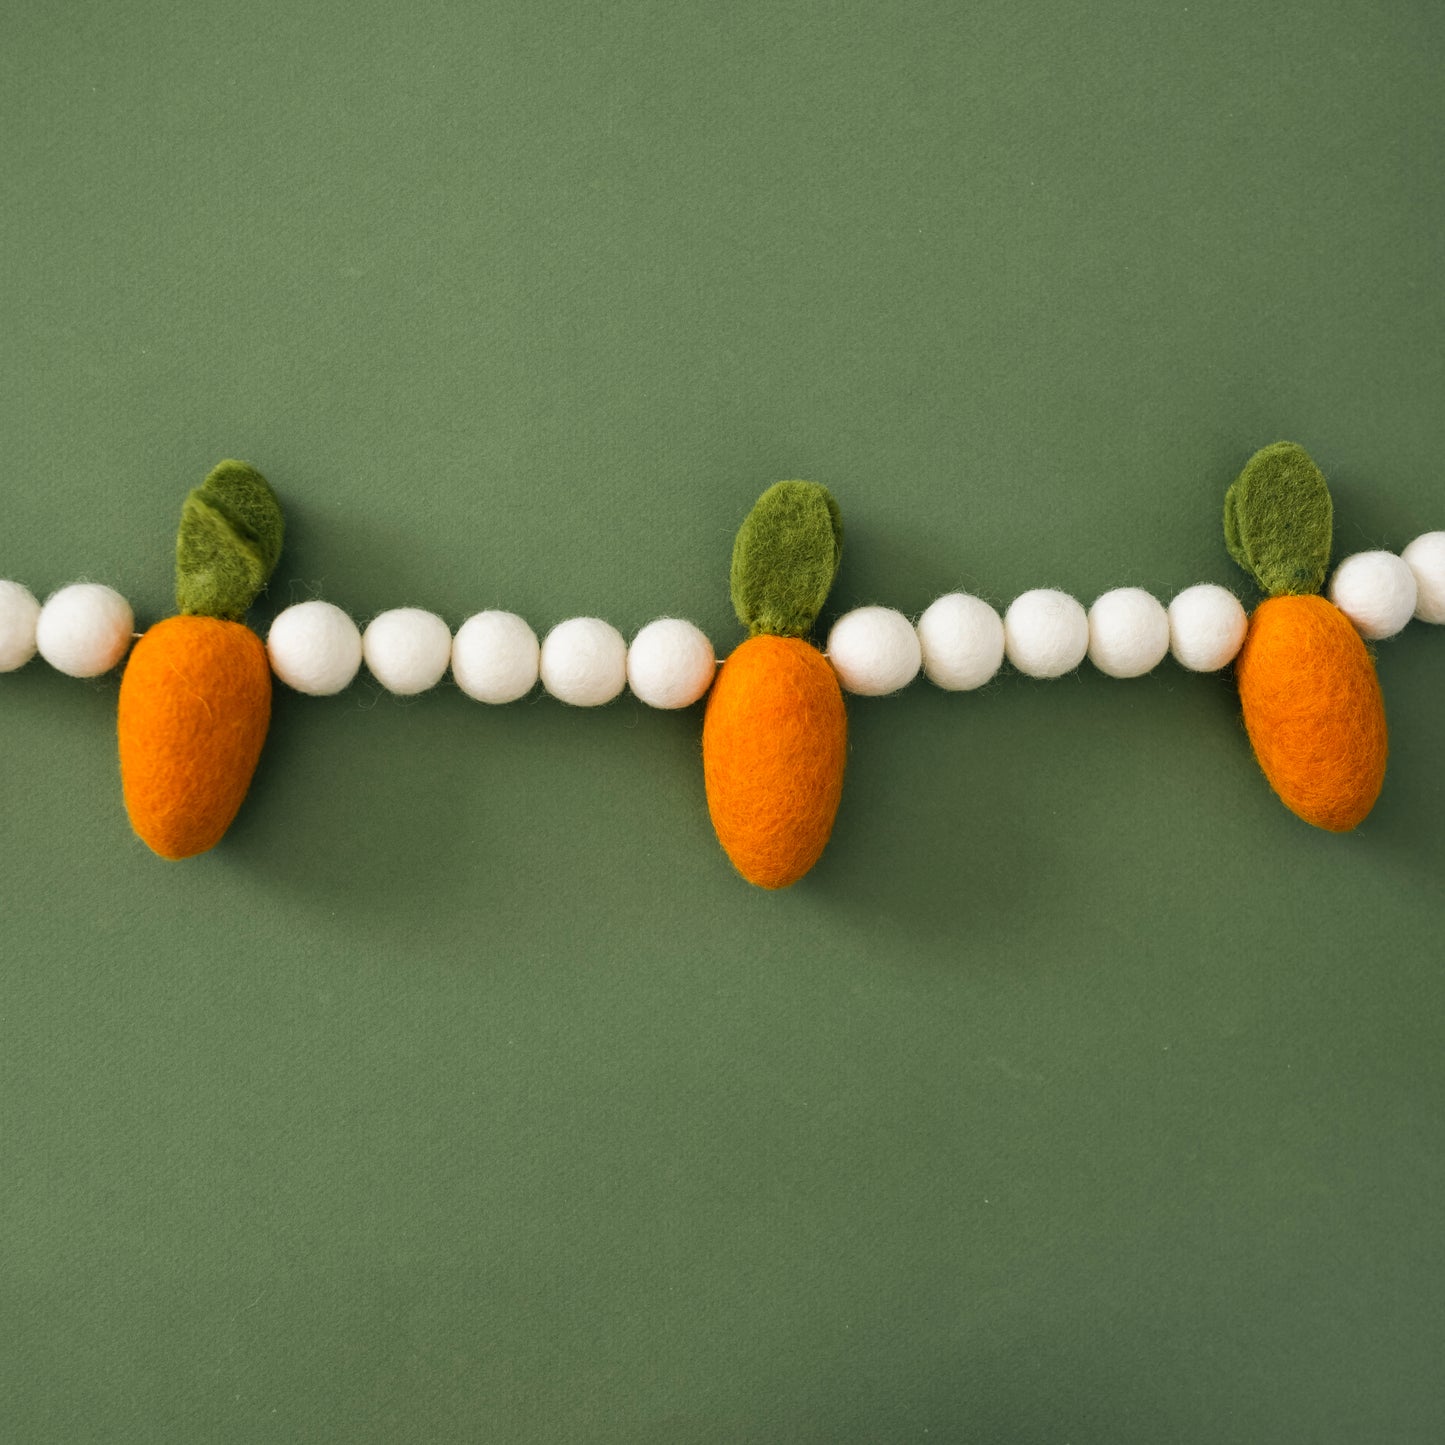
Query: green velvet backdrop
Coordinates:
[464,1093]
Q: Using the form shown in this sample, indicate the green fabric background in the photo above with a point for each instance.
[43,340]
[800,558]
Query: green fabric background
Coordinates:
[1082,1093]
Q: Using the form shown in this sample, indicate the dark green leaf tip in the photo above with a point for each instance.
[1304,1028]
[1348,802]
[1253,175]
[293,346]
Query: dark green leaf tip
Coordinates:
[1278,520]
[229,542]
[785,558]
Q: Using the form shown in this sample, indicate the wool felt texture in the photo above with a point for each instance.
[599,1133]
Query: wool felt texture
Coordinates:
[774,744]
[1128,632]
[874,651]
[584,662]
[1313,710]
[1278,520]
[84,629]
[1206,627]
[314,648]
[1376,591]
[1425,557]
[1046,633]
[962,641]
[19,612]
[229,542]
[495,657]
[407,649]
[670,663]
[785,558]
[195,703]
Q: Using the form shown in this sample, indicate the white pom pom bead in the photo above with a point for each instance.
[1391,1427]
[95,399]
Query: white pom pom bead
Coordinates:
[1376,591]
[84,630]
[407,649]
[19,612]
[584,662]
[315,648]
[495,657]
[874,651]
[1046,633]
[1206,627]
[1425,557]
[1128,632]
[961,638]
[670,663]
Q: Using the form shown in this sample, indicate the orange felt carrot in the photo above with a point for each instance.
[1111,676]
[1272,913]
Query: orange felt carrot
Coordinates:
[195,700]
[1307,685]
[775,734]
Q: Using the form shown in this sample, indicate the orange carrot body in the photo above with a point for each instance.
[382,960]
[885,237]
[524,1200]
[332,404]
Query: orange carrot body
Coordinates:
[1314,711]
[195,703]
[774,743]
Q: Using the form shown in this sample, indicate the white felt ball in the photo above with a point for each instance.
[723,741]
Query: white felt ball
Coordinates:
[1046,633]
[584,661]
[1376,591]
[494,657]
[670,663]
[1128,632]
[19,612]
[1206,627]
[407,649]
[874,651]
[961,638]
[1425,557]
[84,630]
[315,648]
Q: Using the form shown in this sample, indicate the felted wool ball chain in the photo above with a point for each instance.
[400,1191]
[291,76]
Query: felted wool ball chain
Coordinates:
[959,643]
[195,698]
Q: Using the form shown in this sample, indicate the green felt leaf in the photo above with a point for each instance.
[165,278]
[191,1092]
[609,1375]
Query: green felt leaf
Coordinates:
[785,558]
[229,542]
[1278,520]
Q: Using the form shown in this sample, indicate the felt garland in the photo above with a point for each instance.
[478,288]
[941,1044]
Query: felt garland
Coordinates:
[195,696]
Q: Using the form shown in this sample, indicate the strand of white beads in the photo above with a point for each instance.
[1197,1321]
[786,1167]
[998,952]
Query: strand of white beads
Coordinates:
[959,643]
[495,656]
[83,630]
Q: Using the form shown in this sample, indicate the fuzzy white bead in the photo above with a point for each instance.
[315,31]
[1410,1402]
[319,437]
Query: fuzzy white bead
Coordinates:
[874,651]
[1128,632]
[19,612]
[1425,557]
[584,662]
[407,649]
[670,663]
[1046,633]
[84,629]
[1206,627]
[495,657]
[961,639]
[315,648]
[1376,591]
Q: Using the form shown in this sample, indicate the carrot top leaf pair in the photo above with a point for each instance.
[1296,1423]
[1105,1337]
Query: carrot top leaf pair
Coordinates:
[785,558]
[228,544]
[775,734]
[1278,520]
[1307,686]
